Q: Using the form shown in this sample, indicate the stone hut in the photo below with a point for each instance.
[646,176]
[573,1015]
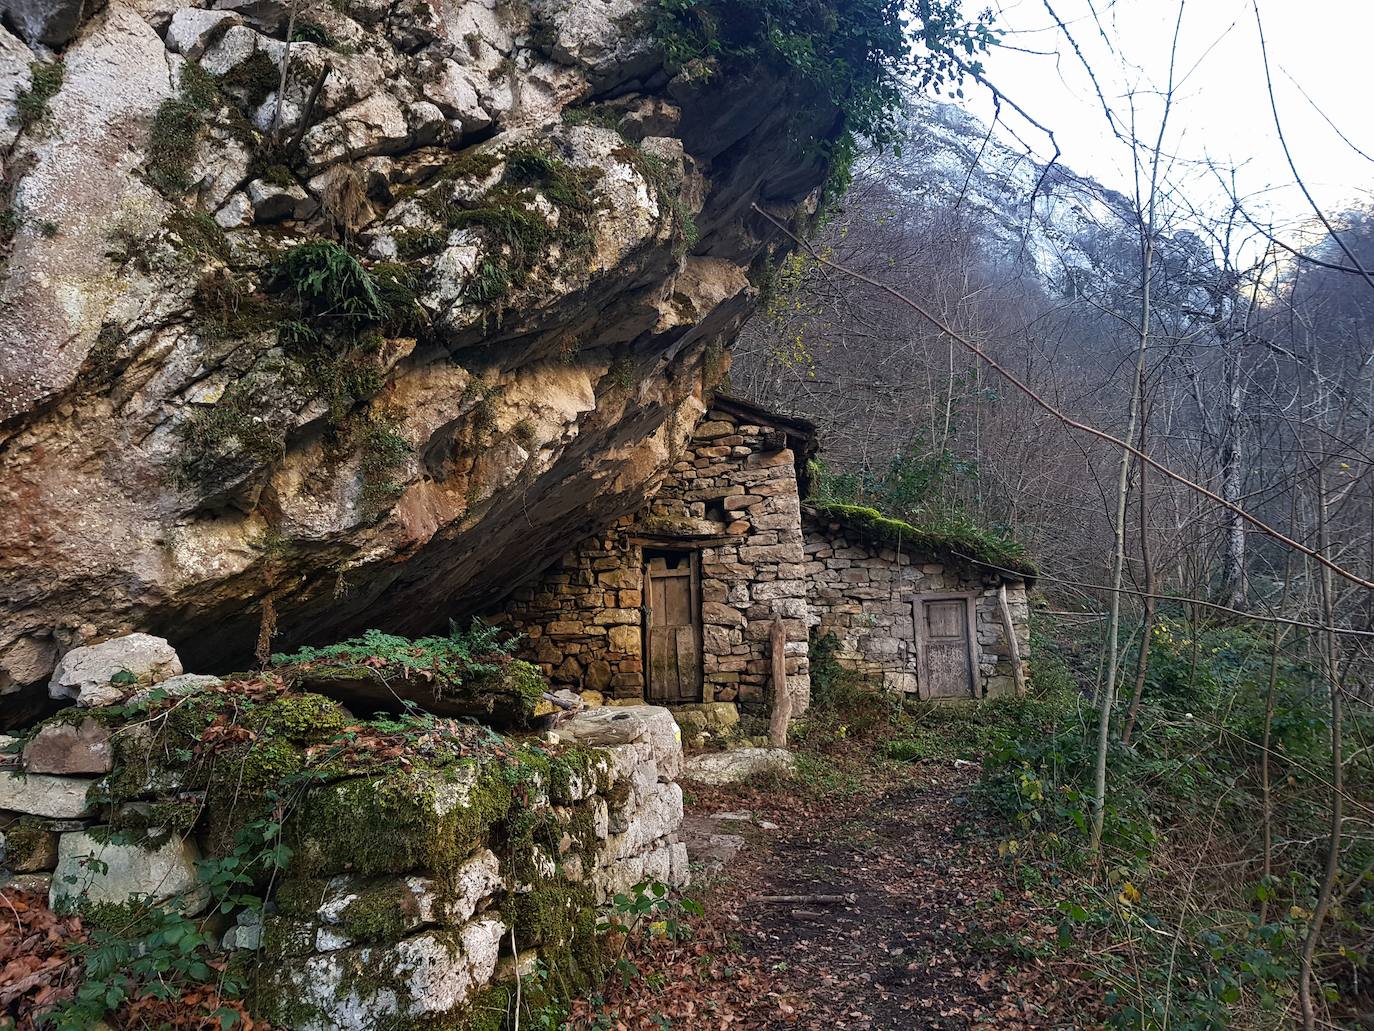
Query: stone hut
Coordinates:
[935,615]
[676,604]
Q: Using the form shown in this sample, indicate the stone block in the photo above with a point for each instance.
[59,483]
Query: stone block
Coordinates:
[28,845]
[717,614]
[737,765]
[95,870]
[65,748]
[84,674]
[739,501]
[429,976]
[624,639]
[61,798]
[712,429]
[616,617]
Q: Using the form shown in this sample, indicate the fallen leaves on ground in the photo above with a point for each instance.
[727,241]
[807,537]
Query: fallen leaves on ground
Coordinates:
[913,921]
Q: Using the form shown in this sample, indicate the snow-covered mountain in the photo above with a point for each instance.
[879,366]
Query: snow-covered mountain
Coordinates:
[1061,225]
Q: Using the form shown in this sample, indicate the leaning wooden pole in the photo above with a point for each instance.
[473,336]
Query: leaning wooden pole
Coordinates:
[1009,628]
[782,699]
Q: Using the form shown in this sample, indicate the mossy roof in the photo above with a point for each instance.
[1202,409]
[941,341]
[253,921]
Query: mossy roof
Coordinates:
[964,541]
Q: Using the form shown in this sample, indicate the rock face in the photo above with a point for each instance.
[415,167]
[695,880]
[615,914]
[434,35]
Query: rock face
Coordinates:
[530,242]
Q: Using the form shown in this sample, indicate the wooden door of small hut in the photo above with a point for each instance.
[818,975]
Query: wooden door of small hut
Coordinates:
[673,628]
[945,635]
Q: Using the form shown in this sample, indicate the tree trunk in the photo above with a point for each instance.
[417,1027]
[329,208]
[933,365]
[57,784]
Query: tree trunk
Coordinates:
[1333,851]
[1232,485]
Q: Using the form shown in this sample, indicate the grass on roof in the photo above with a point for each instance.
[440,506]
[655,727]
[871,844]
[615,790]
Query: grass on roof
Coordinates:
[959,536]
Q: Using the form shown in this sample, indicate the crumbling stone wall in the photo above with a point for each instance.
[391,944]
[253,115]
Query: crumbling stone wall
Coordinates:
[862,592]
[732,497]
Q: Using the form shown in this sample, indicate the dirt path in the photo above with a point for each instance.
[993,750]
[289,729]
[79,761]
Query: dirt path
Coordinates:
[901,949]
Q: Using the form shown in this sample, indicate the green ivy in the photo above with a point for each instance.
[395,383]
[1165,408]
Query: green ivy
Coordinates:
[858,53]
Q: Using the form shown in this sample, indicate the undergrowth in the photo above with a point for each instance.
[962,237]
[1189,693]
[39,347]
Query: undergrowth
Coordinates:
[1184,927]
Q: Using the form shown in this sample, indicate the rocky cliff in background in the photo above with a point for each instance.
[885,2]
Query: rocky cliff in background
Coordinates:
[375,352]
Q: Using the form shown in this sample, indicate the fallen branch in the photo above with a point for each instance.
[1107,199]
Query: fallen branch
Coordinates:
[828,900]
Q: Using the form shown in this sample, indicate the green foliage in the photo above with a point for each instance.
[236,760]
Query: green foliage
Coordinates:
[463,655]
[329,283]
[198,234]
[1183,801]
[177,128]
[952,533]
[328,312]
[253,80]
[508,220]
[148,951]
[858,54]
[233,433]
[31,105]
[384,451]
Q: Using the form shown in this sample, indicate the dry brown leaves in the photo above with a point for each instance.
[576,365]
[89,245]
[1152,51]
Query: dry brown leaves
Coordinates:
[41,968]
[37,970]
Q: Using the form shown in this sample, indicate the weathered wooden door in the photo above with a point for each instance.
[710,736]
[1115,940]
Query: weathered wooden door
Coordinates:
[673,628]
[945,632]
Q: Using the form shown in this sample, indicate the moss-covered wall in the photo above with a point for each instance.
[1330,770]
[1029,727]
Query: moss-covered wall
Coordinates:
[862,592]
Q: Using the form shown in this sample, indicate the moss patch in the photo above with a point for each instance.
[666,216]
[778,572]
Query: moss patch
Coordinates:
[31,105]
[964,540]
[414,820]
[382,914]
[177,129]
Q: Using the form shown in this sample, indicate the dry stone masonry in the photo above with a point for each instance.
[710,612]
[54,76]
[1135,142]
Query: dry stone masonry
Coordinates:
[729,506]
[863,592]
[414,892]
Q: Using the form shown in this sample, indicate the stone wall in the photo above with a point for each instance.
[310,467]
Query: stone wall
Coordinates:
[414,890]
[738,481]
[582,620]
[862,592]
[732,497]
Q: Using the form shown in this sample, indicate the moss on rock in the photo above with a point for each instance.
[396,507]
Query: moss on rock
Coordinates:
[419,819]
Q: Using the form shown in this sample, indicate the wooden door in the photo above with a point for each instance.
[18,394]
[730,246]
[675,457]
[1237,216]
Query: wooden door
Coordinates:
[944,630]
[673,628]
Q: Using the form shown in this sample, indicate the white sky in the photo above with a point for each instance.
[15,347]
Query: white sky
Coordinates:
[1221,109]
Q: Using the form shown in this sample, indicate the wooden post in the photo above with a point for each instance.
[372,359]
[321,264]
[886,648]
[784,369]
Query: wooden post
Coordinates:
[782,700]
[1009,628]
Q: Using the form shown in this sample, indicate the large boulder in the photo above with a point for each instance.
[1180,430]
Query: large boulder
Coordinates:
[107,673]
